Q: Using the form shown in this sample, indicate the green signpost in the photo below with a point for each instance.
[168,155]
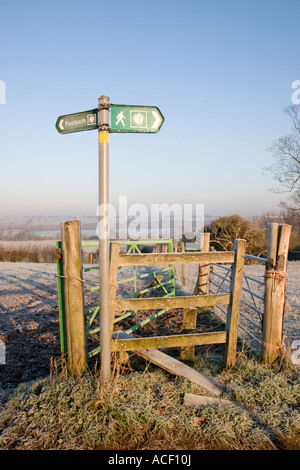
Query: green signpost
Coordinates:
[127,118]
[84,121]
[124,118]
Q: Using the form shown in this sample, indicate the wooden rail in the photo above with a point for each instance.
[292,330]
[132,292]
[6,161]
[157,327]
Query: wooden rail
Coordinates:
[173,302]
[171,341]
[149,259]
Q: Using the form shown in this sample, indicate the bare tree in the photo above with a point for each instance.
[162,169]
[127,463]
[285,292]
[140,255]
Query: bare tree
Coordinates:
[225,229]
[286,168]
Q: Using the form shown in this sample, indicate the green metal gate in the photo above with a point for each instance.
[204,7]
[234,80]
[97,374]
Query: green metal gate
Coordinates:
[91,314]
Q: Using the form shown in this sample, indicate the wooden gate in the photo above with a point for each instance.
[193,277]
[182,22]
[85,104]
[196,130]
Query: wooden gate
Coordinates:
[231,299]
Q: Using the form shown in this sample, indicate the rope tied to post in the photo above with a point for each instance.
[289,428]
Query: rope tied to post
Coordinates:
[272,346]
[84,281]
[282,346]
[275,274]
[71,277]
[76,279]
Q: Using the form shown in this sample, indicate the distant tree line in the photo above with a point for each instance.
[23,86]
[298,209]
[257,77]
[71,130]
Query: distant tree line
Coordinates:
[223,231]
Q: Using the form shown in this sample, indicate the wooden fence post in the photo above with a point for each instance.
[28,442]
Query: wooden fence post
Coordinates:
[188,324]
[73,294]
[275,291]
[233,312]
[201,284]
[114,265]
[113,281]
[183,266]
[190,314]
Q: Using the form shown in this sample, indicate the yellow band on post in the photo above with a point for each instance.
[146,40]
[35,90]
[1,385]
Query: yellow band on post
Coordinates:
[104,137]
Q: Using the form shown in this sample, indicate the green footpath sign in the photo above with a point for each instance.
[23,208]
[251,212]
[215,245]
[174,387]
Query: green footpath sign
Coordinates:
[126,118]
[84,121]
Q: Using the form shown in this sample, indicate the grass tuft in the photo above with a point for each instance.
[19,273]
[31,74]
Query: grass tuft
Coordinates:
[145,410]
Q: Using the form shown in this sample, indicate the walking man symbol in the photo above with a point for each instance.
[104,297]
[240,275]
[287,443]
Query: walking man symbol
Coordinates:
[120,118]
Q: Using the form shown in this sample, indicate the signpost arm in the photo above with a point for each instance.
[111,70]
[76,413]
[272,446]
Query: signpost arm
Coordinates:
[105,353]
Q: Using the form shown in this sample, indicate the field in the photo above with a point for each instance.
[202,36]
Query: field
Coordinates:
[30,332]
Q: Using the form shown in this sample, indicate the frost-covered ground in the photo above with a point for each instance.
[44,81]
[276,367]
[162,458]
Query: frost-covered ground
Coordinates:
[29,321]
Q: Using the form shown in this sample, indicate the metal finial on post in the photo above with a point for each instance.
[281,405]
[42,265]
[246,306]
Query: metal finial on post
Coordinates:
[105,353]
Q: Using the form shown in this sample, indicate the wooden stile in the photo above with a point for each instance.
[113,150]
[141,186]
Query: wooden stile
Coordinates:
[188,303]
[275,297]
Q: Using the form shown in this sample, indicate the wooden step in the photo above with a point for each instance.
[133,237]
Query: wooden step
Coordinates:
[173,366]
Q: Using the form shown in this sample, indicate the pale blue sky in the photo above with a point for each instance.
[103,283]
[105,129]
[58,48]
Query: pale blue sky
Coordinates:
[220,72]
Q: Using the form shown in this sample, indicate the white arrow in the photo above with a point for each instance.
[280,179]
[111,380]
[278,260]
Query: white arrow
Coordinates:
[60,124]
[158,120]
